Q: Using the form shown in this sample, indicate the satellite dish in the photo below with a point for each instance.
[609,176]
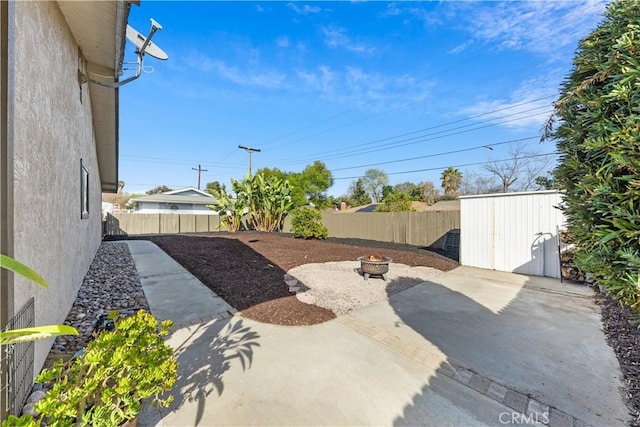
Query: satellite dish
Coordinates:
[143,44]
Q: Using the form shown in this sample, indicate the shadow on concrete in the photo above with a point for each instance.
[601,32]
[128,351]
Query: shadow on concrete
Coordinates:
[205,352]
[546,344]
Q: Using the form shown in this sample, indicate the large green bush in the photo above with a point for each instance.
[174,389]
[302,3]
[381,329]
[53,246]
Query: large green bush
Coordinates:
[597,132]
[395,202]
[307,223]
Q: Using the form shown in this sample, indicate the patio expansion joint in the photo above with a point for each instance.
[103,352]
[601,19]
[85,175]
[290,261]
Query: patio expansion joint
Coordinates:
[563,293]
[523,403]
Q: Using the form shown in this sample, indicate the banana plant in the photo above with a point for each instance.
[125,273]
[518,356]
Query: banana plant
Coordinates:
[231,209]
[269,201]
[15,336]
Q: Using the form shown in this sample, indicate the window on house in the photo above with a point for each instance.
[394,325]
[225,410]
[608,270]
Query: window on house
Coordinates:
[84,191]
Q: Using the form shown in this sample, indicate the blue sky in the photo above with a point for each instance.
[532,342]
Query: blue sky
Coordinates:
[353,84]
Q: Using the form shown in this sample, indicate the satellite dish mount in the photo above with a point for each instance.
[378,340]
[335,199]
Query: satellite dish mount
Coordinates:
[143,46]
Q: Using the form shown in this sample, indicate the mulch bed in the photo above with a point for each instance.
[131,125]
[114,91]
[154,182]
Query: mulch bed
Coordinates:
[247,269]
[622,329]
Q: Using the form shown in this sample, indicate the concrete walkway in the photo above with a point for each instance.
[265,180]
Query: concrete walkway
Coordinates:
[471,347]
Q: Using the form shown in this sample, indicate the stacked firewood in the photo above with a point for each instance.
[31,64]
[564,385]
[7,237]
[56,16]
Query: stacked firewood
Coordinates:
[567,258]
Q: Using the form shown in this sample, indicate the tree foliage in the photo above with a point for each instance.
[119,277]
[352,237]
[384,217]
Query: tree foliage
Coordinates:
[451,180]
[357,193]
[427,192]
[395,202]
[374,180]
[307,186]
[215,187]
[159,189]
[595,125]
[546,182]
[519,173]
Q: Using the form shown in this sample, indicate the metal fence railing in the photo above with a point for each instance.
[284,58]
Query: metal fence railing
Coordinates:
[19,361]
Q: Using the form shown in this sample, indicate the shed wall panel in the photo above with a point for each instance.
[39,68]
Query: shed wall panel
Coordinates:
[515,232]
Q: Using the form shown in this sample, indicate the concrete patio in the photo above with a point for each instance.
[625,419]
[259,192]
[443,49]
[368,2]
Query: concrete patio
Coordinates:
[471,347]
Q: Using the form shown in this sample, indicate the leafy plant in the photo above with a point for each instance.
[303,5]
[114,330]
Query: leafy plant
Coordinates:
[15,336]
[231,209]
[268,200]
[307,223]
[395,202]
[451,181]
[105,386]
[598,136]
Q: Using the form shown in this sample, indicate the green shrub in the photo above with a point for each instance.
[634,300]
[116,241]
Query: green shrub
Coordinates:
[395,202]
[598,138]
[306,223]
[108,383]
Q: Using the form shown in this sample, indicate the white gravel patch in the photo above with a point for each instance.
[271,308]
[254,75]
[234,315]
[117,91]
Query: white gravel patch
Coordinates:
[341,288]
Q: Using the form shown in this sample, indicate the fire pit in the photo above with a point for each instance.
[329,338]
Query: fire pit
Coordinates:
[374,265]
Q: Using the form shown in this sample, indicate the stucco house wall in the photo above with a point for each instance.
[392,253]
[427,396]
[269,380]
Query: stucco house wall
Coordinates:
[53,133]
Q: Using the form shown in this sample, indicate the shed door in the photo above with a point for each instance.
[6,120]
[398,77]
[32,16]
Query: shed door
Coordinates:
[515,233]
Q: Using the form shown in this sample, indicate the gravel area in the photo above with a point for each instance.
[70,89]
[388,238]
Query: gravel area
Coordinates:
[341,288]
[111,283]
[247,269]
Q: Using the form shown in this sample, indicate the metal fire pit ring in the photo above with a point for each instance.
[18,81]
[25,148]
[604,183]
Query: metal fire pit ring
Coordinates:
[374,268]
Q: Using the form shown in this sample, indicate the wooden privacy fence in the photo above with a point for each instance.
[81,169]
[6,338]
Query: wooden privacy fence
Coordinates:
[413,228]
[128,223]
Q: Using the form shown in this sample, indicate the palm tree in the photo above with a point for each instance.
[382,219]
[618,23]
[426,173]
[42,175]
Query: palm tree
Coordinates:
[451,180]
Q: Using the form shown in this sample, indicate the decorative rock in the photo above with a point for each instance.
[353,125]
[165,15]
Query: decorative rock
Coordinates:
[290,281]
[35,396]
[111,283]
[29,408]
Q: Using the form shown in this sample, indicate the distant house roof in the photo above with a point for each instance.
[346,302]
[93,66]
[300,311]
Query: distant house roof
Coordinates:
[188,195]
[443,205]
[188,191]
[171,198]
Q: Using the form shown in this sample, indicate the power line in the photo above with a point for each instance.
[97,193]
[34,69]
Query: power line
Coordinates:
[454,166]
[368,143]
[421,138]
[487,146]
[163,160]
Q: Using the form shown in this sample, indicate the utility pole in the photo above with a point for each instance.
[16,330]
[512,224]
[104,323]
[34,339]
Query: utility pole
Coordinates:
[249,150]
[200,170]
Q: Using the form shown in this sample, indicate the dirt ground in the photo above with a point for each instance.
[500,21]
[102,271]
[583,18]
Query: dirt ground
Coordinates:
[247,269]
